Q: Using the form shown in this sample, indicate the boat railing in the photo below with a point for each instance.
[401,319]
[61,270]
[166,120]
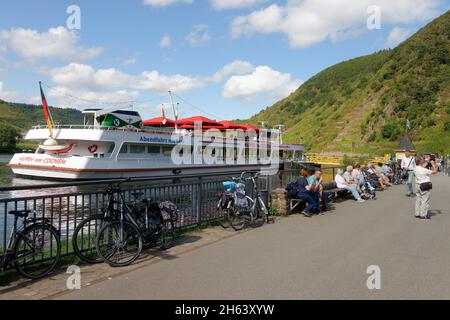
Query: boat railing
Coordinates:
[93,127]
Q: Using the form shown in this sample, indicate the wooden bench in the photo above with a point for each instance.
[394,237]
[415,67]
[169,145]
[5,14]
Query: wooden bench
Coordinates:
[330,187]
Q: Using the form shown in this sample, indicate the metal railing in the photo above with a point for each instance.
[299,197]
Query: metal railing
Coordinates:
[67,204]
[194,195]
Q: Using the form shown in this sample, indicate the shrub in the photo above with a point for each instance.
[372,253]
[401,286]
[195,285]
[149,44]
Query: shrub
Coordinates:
[447,126]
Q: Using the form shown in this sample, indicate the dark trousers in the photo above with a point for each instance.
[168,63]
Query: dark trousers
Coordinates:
[325,197]
[310,200]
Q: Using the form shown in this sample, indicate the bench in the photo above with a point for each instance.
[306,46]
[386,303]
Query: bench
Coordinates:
[330,187]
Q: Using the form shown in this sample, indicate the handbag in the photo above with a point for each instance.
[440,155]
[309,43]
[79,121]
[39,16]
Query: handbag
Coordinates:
[426,186]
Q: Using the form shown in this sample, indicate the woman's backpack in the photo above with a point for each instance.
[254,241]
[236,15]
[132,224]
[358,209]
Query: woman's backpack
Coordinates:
[292,189]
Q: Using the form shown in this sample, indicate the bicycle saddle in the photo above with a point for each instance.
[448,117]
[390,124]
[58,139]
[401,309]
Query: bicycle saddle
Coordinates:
[20,214]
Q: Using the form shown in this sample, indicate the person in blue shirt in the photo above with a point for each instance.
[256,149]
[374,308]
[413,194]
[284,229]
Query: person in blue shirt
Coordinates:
[306,193]
[316,181]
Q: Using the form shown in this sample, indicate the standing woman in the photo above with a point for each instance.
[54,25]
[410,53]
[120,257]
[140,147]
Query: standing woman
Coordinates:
[423,187]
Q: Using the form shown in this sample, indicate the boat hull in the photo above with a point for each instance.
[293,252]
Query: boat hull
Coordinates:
[78,168]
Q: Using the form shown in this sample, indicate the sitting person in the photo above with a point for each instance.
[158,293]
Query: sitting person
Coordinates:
[388,172]
[306,193]
[380,172]
[373,173]
[318,189]
[342,184]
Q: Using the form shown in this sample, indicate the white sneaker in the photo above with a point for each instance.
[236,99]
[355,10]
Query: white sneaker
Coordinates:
[361,200]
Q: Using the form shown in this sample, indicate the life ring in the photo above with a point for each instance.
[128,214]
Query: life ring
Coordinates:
[93,148]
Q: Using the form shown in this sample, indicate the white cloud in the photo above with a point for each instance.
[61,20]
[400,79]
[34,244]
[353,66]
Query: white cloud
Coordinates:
[90,84]
[397,36]
[129,62]
[165,41]
[198,35]
[235,4]
[156,82]
[307,22]
[57,43]
[2,49]
[236,67]
[10,96]
[77,75]
[263,80]
[165,3]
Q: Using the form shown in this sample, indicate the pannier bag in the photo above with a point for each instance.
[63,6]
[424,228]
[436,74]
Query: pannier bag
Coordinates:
[169,211]
[226,197]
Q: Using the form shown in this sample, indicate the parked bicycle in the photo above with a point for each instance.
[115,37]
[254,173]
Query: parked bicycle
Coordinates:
[35,240]
[145,215]
[237,208]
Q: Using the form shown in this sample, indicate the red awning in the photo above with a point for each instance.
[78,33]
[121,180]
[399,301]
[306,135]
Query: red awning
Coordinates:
[192,120]
[248,127]
[159,122]
[231,125]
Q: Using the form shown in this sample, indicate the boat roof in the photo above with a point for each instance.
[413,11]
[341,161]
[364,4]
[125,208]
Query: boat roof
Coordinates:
[124,112]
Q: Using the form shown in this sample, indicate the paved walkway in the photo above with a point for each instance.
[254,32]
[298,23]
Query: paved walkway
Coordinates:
[325,257]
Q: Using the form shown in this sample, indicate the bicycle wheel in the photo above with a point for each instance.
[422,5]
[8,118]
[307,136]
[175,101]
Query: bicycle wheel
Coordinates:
[85,236]
[119,243]
[37,250]
[224,217]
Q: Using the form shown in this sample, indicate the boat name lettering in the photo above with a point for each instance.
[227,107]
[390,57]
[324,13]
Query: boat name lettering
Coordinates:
[160,140]
[44,161]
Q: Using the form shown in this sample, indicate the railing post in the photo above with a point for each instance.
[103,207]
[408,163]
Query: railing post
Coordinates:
[199,201]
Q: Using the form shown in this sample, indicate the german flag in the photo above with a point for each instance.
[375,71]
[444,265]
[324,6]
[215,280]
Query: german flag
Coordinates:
[47,115]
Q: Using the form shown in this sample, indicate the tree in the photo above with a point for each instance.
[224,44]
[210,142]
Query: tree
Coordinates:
[390,131]
[9,136]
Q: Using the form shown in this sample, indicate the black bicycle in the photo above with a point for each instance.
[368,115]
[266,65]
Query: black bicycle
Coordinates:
[34,248]
[85,234]
[146,216]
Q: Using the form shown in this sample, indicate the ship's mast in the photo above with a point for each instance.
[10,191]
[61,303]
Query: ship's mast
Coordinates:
[175,112]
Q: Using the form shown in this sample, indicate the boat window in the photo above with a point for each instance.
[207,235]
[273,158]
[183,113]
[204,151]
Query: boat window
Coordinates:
[154,150]
[137,148]
[124,149]
[111,148]
[167,151]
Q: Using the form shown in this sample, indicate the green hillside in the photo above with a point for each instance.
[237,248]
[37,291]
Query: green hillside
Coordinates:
[24,116]
[365,102]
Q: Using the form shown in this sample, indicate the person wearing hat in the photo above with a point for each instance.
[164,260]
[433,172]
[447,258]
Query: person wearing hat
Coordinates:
[423,187]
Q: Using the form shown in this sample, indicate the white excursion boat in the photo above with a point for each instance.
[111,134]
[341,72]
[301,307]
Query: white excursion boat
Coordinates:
[118,144]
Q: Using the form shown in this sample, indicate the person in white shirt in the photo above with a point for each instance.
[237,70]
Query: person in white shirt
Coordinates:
[422,175]
[342,184]
[408,166]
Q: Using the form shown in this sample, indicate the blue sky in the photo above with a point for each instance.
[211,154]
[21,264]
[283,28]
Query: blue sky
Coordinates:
[229,58]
